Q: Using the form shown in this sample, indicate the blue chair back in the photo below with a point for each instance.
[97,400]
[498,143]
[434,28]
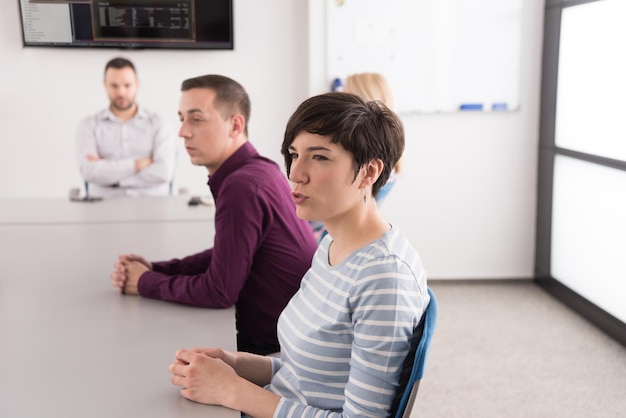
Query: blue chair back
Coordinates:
[426,328]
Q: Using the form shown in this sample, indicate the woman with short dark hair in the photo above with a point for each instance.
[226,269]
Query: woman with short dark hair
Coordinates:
[345,334]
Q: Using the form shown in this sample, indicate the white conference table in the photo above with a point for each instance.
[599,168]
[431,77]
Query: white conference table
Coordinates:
[54,211]
[70,344]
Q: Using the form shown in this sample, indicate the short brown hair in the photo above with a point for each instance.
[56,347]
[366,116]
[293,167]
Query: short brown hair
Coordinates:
[365,129]
[230,97]
[118,63]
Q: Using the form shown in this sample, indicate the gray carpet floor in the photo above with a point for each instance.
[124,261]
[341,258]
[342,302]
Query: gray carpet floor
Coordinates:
[509,349]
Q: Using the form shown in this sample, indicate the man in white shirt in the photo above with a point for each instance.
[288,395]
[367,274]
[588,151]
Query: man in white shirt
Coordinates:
[125,150]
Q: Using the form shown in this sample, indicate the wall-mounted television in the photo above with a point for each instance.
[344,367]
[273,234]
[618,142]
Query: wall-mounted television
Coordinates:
[175,24]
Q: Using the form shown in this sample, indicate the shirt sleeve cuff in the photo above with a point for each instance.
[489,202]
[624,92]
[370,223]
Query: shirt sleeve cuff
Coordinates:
[276,363]
[147,286]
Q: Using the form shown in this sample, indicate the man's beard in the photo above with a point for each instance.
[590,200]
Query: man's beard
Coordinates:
[122,108]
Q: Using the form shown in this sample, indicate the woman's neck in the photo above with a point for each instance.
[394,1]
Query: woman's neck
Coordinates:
[355,232]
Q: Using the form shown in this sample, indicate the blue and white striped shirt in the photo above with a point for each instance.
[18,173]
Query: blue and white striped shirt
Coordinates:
[345,334]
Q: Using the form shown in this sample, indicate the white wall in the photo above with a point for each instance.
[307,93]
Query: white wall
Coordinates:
[467,200]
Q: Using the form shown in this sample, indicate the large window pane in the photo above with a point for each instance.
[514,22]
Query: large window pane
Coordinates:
[589,232]
[591,91]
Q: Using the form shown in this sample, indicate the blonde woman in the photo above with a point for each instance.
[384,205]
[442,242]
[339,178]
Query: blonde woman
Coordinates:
[375,87]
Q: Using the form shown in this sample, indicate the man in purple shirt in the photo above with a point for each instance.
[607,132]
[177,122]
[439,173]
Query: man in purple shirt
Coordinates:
[261,249]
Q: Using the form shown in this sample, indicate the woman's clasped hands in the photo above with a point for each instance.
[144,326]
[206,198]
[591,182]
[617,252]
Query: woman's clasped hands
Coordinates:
[205,375]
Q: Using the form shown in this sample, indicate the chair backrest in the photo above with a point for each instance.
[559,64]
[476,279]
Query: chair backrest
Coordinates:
[425,332]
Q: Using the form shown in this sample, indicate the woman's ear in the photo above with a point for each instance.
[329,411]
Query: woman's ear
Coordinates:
[372,171]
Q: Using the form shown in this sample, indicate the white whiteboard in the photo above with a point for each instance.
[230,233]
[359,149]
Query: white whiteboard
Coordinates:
[437,54]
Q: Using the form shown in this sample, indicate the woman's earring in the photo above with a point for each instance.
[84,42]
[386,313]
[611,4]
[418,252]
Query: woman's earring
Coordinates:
[364,196]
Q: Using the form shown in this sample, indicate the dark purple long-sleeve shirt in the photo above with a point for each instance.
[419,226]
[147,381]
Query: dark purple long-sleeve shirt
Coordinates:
[260,252]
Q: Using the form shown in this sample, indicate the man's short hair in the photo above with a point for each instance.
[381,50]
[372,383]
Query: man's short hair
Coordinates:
[118,63]
[367,130]
[230,96]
